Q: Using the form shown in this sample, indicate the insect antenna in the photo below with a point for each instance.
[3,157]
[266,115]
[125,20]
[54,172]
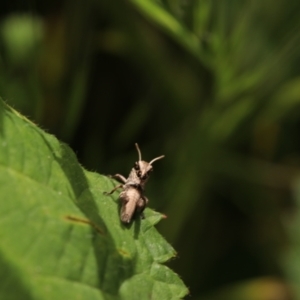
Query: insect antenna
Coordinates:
[139,151]
[155,159]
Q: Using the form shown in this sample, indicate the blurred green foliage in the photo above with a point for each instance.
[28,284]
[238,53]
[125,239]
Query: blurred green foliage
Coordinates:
[213,85]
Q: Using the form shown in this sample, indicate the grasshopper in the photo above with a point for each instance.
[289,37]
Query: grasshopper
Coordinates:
[132,196]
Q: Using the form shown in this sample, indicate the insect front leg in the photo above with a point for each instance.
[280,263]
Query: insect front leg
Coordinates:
[114,189]
[119,177]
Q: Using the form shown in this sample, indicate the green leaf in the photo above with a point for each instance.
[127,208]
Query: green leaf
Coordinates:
[60,237]
[172,26]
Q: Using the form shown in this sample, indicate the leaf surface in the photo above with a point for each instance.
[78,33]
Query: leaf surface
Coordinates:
[60,237]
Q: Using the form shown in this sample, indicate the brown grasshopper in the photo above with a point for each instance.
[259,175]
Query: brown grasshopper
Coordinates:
[132,197]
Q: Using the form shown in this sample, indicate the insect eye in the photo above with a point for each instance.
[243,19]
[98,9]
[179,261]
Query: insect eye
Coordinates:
[139,173]
[136,166]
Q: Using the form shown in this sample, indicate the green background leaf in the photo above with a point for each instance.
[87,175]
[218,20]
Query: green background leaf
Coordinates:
[60,237]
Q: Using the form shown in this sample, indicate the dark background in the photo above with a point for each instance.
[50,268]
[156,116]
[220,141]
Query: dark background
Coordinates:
[213,85]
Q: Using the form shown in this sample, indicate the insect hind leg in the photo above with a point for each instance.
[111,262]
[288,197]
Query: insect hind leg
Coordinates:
[141,205]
